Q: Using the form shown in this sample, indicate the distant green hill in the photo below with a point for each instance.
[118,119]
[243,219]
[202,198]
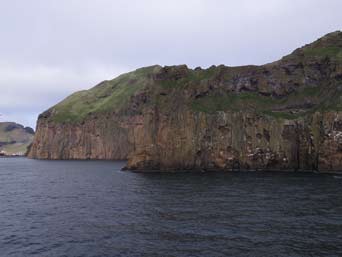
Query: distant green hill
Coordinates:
[15,138]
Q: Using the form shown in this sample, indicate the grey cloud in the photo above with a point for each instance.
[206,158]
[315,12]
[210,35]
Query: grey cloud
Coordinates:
[51,48]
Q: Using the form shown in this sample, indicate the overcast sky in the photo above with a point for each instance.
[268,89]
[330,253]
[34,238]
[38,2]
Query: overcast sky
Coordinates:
[51,48]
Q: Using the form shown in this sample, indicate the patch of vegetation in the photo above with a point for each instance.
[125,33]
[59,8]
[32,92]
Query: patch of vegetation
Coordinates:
[334,103]
[253,102]
[302,94]
[308,91]
[210,104]
[110,95]
[233,101]
[283,114]
[330,51]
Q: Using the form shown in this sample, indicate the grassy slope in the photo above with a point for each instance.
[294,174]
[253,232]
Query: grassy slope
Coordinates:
[110,95]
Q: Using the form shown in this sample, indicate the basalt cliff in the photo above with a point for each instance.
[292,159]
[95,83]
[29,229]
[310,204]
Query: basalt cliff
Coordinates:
[285,115]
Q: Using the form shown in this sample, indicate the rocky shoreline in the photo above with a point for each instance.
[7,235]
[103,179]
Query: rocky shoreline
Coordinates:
[319,172]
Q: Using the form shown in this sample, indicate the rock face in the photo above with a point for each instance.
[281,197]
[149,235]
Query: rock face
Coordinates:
[282,115]
[14,138]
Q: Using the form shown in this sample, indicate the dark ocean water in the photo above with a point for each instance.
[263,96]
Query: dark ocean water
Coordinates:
[91,208]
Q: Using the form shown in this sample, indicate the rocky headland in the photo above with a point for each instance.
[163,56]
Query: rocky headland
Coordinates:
[285,115]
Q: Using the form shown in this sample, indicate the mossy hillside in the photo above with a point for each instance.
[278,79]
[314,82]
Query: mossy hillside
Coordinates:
[110,95]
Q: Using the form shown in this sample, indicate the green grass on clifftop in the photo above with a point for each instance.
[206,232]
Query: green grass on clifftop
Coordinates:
[110,95]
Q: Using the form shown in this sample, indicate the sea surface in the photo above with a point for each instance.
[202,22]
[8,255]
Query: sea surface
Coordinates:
[91,208]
